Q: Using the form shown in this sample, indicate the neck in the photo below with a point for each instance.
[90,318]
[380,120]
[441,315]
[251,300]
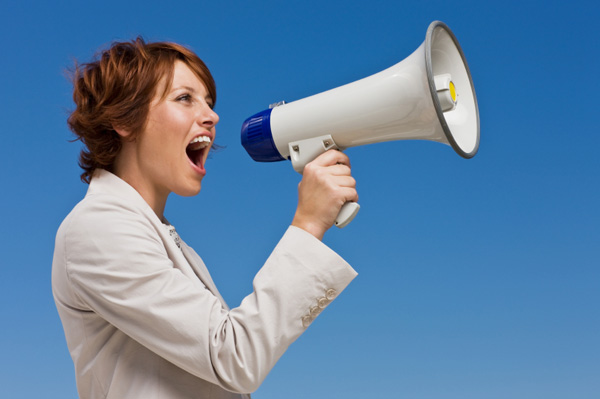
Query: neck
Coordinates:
[126,169]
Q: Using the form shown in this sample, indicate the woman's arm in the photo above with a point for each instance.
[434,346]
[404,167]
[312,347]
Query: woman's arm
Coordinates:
[117,267]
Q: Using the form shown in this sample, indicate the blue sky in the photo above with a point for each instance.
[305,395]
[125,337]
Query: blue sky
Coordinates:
[477,278]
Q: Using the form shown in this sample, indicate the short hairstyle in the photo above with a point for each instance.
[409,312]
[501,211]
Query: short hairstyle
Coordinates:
[115,90]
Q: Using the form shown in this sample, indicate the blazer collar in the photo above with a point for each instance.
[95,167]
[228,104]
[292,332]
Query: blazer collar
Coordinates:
[104,182]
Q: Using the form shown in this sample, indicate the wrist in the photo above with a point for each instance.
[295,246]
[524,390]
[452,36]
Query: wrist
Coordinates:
[314,228]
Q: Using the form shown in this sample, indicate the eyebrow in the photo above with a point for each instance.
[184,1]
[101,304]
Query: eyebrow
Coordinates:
[192,90]
[188,88]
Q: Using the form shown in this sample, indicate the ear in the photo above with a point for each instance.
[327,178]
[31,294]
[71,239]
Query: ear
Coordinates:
[124,133]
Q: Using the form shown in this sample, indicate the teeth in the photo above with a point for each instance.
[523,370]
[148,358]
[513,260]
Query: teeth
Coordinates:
[201,139]
[199,143]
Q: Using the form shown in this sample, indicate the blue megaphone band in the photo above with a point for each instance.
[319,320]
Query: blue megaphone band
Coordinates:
[257,138]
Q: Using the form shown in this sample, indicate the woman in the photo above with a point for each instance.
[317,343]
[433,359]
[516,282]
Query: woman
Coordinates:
[141,315]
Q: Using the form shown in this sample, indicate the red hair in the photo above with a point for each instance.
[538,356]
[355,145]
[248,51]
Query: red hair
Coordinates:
[115,91]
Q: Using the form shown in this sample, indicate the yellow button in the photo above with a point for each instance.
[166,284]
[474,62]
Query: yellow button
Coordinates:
[452,91]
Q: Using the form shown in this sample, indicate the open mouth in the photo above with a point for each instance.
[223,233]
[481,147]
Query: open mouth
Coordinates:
[197,149]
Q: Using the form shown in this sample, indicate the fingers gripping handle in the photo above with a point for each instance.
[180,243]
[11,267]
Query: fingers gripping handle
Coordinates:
[304,151]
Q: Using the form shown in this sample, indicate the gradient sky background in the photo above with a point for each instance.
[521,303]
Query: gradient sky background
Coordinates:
[477,278]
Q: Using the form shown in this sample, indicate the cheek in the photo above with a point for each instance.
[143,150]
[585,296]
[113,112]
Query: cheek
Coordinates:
[167,133]
[166,137]
[175,126]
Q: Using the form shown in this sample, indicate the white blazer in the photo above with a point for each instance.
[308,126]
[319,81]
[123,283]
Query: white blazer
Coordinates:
[143,318]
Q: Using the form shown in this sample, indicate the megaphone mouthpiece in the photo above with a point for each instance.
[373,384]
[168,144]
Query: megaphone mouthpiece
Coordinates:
[257,138]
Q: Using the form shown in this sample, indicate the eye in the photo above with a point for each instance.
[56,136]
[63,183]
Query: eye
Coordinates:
[209,101]
[186,97]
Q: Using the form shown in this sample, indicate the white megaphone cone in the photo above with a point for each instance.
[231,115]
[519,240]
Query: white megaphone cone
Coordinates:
[427,96]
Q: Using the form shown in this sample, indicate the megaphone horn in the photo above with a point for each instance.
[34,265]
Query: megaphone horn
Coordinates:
[427,96]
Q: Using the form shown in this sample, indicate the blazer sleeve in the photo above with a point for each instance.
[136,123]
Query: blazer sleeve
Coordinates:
[117,266]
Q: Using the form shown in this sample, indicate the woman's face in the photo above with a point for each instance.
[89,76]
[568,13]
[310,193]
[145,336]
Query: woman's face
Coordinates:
[172,149]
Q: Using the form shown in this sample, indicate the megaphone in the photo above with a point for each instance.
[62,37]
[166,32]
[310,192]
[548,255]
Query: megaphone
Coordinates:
[427,96]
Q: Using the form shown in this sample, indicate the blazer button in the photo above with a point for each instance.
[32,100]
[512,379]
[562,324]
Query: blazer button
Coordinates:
[314,311]
[330,294]
[306,320]
[322,302]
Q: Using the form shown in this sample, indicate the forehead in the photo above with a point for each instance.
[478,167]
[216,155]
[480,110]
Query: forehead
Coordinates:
[183,77]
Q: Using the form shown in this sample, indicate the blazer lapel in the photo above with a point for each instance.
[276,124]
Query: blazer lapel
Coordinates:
[201,271]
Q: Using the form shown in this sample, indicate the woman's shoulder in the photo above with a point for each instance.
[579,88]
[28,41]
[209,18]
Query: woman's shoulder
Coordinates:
[105,214]
[103,227]
[109,201]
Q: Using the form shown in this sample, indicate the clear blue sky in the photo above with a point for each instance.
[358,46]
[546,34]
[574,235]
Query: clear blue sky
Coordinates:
[477,278]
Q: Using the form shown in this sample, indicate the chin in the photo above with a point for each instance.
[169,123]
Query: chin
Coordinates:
[189,191]
[192,193]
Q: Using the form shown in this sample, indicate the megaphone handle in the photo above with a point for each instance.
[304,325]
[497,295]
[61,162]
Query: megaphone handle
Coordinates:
[347,213]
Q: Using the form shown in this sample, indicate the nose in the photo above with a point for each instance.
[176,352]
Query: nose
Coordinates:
[207,117]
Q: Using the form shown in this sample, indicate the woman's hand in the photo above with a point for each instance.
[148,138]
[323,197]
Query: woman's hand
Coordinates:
[326,185]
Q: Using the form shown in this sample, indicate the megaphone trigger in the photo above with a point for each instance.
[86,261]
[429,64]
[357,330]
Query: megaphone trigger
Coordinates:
[304,151]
